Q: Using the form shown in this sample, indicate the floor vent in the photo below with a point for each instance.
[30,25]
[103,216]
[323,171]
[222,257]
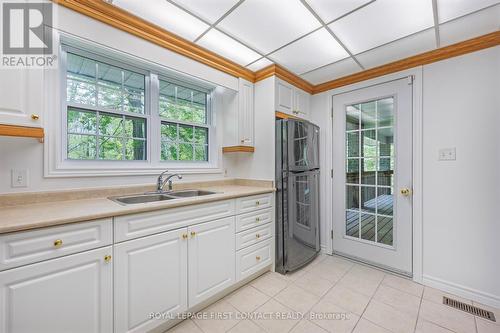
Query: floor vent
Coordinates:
[469,308]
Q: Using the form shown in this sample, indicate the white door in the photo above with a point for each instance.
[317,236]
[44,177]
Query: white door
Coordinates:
[150,277]
[372,175]
[211,258]
[68,294]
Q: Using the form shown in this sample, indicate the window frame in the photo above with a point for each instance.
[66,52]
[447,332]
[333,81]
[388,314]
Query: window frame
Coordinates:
[57,163]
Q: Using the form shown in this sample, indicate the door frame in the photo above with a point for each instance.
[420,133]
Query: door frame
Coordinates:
[417,138]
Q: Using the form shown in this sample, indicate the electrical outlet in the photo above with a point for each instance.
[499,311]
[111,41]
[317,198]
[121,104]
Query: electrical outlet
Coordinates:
[447,154]
[19,177]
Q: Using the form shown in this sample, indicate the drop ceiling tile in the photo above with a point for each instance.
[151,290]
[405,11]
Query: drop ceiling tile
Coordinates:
[259,64]
[266,25]
[330,10]
[331,72]
[165,15]
[470,26]
[450,9]
[400,49]
[383,21]
[310,52]
[227,47]
[210,10]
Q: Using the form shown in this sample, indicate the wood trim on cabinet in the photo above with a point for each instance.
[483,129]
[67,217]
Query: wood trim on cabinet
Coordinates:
[125,21]
[285,75]
[238,149]
[22,131]
[471,45]
[282,115]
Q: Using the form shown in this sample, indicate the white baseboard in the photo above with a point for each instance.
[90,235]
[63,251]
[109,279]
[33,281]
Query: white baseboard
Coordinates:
[462,291]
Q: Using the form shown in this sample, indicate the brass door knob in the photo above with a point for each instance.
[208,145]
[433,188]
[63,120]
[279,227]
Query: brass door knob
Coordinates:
[107,258]
[193,234]
[257,257]
[35,116]
[406,192]
[58,243]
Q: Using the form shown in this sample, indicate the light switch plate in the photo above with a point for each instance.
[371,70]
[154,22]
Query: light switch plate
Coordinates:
[19,177]
[447,154]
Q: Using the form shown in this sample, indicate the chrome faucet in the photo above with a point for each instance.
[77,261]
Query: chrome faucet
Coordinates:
[161,182]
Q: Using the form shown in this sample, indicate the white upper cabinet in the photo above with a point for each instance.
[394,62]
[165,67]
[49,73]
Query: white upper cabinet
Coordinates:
[211,259]
[150,276]
[239,116]
[21,97]
[291,100]
[68,294]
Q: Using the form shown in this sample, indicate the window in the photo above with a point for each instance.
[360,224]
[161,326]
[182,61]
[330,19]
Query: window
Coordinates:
[184,119]
[105,111]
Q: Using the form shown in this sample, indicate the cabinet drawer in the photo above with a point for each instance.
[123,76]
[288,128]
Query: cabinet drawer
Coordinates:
[144,224]
[27,247]
[253,236]
[253,259]
[254,219]
[255,202]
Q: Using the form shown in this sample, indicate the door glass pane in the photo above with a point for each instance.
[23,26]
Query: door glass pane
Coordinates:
[370,156]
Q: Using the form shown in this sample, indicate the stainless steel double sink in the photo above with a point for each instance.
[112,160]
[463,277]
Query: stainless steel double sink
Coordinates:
[158,196]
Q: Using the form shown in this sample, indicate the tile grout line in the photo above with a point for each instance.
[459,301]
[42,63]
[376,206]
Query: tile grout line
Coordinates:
[366,307]
[418,313]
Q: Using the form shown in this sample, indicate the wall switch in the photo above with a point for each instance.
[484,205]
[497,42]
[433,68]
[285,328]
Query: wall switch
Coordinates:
[447,154]
[19,177]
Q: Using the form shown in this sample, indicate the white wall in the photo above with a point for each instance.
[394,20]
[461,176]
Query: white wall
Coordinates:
[461,230]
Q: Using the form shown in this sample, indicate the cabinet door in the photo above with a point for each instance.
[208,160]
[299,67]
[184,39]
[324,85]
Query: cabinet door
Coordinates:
[21,97]
[246,113]
[284,97]
[69,294]
[150,277]
[211,259]
[301,103]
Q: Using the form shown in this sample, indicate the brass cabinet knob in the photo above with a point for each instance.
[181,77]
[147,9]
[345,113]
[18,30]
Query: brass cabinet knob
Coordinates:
[193,234]
[58,243]
[257,203]
[35,116]
[107,258]
[257,257]
[406,192]
[257,219]
[257,235]
[184,236]
[295,112]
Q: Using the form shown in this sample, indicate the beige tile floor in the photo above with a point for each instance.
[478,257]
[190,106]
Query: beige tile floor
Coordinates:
[368,301]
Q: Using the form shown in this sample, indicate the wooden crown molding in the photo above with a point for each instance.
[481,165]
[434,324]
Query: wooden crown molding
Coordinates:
[22,131]
[471,45]
[125,21]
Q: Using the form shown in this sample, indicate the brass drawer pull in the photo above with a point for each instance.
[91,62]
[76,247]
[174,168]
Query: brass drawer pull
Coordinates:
[193,234]
[257,235]
[257,203]
[257,219]
[58,243]
[107,258]
[184,236]
[257,257]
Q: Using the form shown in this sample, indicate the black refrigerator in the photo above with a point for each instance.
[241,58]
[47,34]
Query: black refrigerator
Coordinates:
[297,196]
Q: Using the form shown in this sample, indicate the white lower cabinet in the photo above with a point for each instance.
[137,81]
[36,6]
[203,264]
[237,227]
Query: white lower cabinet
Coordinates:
[68,294]
[211,258]
[150,278]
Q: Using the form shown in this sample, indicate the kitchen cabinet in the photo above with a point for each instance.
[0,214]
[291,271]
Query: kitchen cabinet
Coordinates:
[211,258]
[67,294]
[291,100]
[239,119]
[150,277]
[21,97]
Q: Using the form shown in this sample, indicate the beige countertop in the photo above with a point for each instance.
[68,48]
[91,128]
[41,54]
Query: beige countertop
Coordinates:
[33,215]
